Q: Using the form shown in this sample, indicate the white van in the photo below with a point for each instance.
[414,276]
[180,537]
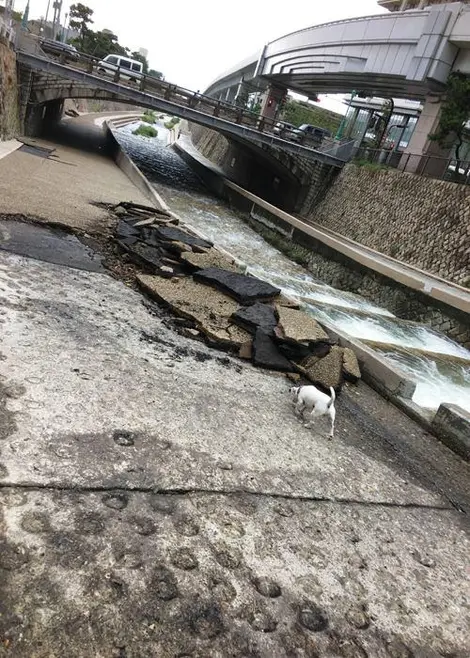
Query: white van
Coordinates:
[129,69]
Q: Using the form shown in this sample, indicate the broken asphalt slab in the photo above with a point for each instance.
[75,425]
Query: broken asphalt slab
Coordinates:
[296,326]
[173,234]
[209,309]
[245,289]
[256,316]
[211,258]
[48,244]
[266,353]
[327,371]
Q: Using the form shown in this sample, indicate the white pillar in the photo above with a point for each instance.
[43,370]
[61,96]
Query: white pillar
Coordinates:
[420,143]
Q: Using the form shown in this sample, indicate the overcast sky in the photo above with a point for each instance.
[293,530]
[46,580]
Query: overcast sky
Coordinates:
[193,41]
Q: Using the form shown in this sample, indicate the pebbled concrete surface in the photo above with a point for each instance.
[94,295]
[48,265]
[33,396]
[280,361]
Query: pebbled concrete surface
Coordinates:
[160,498]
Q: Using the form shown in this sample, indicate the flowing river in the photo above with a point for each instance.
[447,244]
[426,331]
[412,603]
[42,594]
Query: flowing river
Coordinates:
[443,376]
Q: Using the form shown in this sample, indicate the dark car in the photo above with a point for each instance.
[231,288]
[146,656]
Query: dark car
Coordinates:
[308,133]
[61,49]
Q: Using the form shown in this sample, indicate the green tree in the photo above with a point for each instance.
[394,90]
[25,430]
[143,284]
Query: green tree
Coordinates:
[99,44]
[242,98]
[299,112]
[156,74]
[80,19]
[454,115]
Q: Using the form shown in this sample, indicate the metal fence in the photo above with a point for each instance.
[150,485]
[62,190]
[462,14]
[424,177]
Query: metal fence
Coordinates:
[432,166]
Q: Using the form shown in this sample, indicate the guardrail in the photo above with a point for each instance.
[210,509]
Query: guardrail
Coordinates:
[432,166]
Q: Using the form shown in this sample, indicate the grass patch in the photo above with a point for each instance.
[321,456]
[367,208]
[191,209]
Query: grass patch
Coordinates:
[371,166]
[145,131]
[149,117]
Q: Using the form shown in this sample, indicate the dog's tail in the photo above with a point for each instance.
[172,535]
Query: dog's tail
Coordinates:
[333,397]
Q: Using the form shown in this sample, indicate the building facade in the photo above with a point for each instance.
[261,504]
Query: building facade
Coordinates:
[404,5]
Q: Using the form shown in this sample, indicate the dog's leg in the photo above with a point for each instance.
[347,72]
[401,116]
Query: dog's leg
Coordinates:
[332,415]
[314,413]
[299,409]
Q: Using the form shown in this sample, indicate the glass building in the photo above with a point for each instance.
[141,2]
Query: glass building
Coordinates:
[368,122]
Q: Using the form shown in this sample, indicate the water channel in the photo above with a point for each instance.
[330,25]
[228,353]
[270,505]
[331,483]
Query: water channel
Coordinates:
[443,376]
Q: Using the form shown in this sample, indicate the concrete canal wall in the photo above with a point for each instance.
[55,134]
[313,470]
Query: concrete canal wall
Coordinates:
[420,221]
[345,264]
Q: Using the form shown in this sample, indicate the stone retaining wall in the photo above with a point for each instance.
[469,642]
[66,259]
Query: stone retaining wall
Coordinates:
[420,221]
[288,181]
[9,114]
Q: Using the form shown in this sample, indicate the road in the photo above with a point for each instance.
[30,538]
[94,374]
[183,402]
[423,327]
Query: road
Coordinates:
[159,498]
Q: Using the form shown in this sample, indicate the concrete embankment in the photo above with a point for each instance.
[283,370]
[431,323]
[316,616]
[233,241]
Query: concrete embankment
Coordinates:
[159,498]
[125,163]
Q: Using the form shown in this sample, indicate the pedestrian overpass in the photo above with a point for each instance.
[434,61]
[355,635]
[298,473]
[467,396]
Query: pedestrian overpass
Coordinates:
[401,54]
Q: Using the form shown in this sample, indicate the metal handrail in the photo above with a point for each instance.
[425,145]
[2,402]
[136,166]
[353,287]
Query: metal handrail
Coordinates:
[431,166]
[241,116]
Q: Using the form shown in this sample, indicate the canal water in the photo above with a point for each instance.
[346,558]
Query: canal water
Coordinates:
[443,376]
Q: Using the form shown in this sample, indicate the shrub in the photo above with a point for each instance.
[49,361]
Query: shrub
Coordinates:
[169,125]
[145,131]
[149,117]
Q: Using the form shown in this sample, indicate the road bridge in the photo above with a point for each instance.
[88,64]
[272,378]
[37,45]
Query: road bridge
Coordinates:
[47,82]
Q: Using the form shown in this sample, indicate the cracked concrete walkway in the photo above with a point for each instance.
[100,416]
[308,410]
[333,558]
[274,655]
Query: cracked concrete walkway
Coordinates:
[160,499]
[68,186]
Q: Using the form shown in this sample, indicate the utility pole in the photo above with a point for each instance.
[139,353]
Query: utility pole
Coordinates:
[66,29]
[57,6]
[8,11]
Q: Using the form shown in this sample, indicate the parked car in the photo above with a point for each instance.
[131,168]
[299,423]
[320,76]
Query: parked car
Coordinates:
[129,69]
[308,133]
[284,129]
[68,51]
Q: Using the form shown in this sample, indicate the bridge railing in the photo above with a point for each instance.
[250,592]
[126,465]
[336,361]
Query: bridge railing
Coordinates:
[174,93]
[431,166]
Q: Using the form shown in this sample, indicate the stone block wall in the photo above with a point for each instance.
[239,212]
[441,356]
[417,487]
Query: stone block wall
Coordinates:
[418,220]
[9,113]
